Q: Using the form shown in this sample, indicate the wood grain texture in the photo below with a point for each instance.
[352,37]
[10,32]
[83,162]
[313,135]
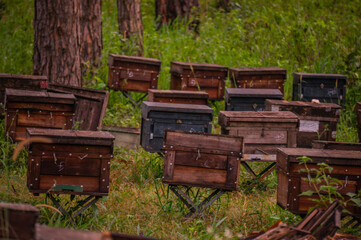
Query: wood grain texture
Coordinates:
[90,184]
[176,96]
[336,145]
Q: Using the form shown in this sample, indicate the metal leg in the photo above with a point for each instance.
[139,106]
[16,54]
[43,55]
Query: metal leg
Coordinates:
[134,102]
[354,222]
[83,205]
[193,208]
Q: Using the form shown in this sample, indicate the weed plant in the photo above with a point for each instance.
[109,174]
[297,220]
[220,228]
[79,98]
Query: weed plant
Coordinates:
[303,36]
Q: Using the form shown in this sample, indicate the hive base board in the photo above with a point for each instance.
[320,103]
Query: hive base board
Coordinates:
[194,209]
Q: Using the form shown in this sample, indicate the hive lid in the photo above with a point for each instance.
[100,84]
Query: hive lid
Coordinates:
[72,136]
[254,92]
[179,67]
[297,76]
[178,93]
[226,117]
[173,107]
[303,104]
[258,71]
[133,59]
[38,96]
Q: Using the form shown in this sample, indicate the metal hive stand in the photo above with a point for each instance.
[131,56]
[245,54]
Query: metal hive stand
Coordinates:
[135,102]
[194,209]
[79,208]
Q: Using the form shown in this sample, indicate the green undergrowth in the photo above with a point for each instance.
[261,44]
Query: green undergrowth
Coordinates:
[300,36]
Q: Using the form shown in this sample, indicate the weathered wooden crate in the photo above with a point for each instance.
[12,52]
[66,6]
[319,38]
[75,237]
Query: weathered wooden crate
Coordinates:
[329,88]
[263,132]
[202,160]
[17,221]
[194,76]
[124,136]
[292,182]
[37,109]
[134,74]
[248,99]
[156,117]
[75,162]
[358,113]
[178,96]
[319,144]
[258,77]
[90,107]
[318,121]
[24,82]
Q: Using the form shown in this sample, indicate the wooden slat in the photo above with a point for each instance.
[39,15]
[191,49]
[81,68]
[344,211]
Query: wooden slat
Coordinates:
[34,173]
[104,175]
[54,107]
[90,184]
[347,186]
[70,166]
[168,168]
[44,120]
[39,148]
[282,189]
[336,145]
[336,170]
[232,172]
[203,177]
[260,136]
[200,159]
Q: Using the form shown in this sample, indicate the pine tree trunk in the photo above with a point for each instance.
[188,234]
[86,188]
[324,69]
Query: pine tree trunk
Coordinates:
[91,33]
[130,21]
[57,45]
[168,10]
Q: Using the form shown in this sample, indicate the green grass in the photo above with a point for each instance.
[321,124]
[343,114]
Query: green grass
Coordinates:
[305,36]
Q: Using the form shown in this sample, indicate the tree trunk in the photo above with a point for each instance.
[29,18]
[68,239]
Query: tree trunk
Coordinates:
[130,21]
[168,10]
[57,45]
[91,34]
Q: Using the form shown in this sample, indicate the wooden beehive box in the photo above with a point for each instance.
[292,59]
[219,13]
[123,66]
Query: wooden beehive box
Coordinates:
[178,96]
[336,145]
[17,221]
[206,77]
[24,82]
[37,109]
[202,160]
[134,74]
[318,121]
[156,117]
[75,162]
[358,113]
[329,88]
[90,107]
[258,77]
[249,99]
[291,182]
[263,132]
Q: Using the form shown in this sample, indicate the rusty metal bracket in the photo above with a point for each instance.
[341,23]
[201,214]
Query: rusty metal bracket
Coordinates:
[194,209]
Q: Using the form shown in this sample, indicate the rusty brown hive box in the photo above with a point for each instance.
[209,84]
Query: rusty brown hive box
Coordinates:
[37,109]
[202,160]
[292,182]
[24,82]
[206,77]
[75,162]
[134,74]
[317,120]
[263,132]
[258,77]
[178,96]
[17,221]
[358,113]
[325,87]
[90,107]
[249,99]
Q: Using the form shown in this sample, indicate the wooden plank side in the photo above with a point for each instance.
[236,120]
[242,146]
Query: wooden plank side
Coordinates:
[261,136]
[203,177]
[104,175]
[70,166]
[350,171]
[31,106]
[346,187]
[168,167]
[282,189]
[34,173]
[203,141]
[90,184]
[39,148]
[336,145]
[200,159]
[232,172]
[44,120]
